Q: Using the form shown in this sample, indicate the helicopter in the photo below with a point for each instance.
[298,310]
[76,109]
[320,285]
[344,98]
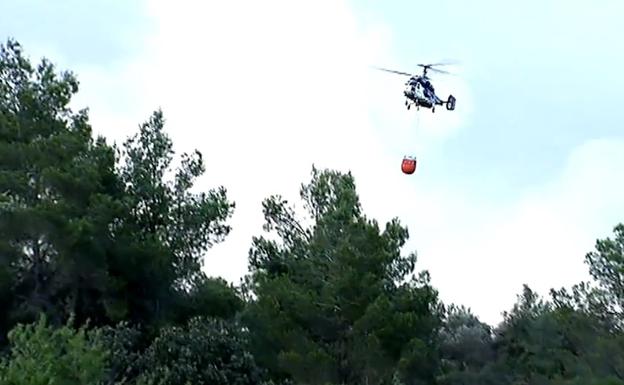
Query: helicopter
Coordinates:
[420,92]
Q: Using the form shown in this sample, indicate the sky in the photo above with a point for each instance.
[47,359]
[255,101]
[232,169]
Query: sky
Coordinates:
[512,187]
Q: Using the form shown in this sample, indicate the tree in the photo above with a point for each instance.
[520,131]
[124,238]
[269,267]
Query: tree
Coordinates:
[164,228]
[529,344]
[87,230]
[56,196]
[466,347]
[606,266]
[336,302]
[187,224]
[591,314]
[555,342]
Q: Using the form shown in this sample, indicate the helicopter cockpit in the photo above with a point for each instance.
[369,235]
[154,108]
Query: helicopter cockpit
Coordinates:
[415,87]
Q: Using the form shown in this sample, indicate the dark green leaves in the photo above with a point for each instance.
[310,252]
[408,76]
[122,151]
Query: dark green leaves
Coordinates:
[606,265]
[332,305]
[84,232]
[206,351]
[165,211]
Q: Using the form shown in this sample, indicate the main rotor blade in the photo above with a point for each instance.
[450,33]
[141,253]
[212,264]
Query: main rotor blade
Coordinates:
[444,63]
[393,71]
[440,71]
[429,68]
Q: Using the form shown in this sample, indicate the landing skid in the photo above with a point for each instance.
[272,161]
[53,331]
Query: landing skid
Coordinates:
[409,104]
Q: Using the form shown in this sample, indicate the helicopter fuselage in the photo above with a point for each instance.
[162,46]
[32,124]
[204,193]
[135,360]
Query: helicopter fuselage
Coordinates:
[419,92]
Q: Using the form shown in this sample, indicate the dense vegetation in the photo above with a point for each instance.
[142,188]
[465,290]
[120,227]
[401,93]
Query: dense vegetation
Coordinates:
[101,282]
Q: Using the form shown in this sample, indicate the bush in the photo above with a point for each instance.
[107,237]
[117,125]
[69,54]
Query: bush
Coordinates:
[42,355]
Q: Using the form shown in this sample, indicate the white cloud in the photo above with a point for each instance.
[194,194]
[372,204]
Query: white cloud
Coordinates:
[540,240]
[264,90]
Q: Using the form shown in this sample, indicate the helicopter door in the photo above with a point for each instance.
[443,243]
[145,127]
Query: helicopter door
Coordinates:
[409,90]
[418,91]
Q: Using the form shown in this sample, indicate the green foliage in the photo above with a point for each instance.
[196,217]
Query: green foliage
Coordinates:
[43,355]
[335,302]
[206,351]
[163,229]
[466,347]
[166,212]
[574,338]
[212,297]
[606,265]
[82,232]
[56,187]
[125,344]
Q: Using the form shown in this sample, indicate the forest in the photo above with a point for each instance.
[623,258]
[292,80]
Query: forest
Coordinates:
[102,256]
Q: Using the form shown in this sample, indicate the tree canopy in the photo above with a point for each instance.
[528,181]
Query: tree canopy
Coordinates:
[347,306]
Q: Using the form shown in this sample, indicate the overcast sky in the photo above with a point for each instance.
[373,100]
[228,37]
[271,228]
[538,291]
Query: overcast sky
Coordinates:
[512,187]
